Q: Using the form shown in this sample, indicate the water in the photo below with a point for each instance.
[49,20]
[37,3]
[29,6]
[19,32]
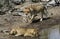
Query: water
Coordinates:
[54,33]
[51,33]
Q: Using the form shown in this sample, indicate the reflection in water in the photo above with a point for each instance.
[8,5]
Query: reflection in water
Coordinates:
[52,33]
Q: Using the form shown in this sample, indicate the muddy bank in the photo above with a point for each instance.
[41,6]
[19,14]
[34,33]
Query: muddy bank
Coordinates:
[7,21]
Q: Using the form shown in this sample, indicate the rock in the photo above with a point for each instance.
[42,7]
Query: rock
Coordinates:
[5,32]
[17,2]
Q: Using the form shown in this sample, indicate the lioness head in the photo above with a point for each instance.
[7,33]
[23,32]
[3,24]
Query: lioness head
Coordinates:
[13,32]
[26,10]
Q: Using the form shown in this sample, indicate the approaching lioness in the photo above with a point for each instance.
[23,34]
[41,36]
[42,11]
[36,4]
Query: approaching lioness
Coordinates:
[34,9]
[25,32]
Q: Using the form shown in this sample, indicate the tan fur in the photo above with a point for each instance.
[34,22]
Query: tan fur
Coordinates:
[31,32]
[37,8]
[25,31]
[29,10]
[26,10]
[17,31]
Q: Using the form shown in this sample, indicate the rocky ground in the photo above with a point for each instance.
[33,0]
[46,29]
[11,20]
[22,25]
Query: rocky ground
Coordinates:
[7,21]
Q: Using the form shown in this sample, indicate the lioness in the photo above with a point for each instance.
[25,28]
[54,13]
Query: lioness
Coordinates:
[32,11]
[25,32]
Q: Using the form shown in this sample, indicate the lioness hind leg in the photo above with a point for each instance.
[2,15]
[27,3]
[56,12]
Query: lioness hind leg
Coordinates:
[28,34]
[41,19]
[17,35]
[45,13]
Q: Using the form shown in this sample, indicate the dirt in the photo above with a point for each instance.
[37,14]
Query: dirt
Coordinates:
[7,21]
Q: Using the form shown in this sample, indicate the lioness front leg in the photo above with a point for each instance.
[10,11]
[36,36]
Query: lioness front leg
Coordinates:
[32,17]
[25,19]
[17,34]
